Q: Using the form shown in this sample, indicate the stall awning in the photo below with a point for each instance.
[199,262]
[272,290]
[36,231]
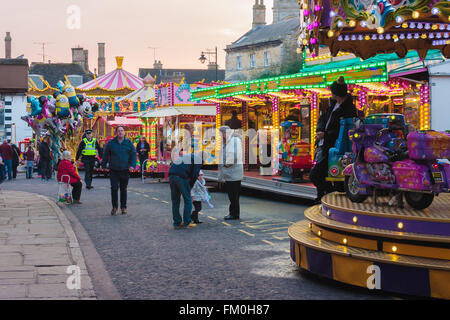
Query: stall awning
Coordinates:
[177,111]
[124,121]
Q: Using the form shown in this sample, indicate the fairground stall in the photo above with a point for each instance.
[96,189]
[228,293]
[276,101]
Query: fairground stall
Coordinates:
[382,243]
[164,126]
[382,84]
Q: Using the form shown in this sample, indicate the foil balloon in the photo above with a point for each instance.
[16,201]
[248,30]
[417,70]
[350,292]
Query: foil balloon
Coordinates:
[35,105]
[62,106]
[69,92]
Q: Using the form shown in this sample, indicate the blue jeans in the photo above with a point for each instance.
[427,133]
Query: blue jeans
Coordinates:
[8,168]
[180,187]
[30,166]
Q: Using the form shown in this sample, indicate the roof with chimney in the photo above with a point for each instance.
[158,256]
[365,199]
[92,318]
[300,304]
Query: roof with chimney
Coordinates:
[275,32]
[190,75]
[54,72]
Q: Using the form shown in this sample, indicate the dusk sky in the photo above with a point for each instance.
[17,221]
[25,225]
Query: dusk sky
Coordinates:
[180,29]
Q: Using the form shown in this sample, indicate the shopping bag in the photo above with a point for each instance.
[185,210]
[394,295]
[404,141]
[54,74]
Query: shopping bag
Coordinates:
[64,190]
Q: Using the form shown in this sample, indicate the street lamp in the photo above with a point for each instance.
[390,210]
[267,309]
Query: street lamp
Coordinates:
[203,59]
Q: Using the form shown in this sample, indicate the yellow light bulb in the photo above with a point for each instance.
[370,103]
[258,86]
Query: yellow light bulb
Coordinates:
[380,30]
[330,34]
[319,233]
[352,23]
[328,213]
[344,240]
[394,248]
[400,225]
[355,219]
[415,14]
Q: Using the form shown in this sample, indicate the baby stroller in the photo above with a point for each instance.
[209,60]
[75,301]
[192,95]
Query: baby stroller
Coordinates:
[65,190]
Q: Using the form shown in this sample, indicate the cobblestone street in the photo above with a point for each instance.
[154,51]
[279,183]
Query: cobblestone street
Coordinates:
[147,259]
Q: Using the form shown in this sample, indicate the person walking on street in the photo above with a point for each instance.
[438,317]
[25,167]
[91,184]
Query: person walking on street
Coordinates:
[199,194]
[66,168]
[328,125]
[142,149]
[2,170]
[120,153]
[29,157]
[88,149]
[183,173]
[231,169]
[7,155]
[16,160]
[45,159]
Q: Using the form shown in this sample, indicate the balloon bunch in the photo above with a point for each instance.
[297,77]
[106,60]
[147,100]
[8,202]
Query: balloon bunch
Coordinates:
[59,116]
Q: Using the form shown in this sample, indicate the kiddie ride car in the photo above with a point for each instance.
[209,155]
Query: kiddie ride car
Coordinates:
[341,155]
[294,155]
[416,167]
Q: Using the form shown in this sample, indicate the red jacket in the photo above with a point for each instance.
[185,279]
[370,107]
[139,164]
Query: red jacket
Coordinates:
[66,167]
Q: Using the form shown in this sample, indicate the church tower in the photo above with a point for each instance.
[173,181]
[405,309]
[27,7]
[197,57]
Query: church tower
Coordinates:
[285,9]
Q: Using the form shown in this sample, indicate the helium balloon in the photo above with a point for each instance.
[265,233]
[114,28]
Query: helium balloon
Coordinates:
[62,106]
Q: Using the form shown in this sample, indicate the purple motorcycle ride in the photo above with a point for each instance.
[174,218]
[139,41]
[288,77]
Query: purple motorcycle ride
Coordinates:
[414,165]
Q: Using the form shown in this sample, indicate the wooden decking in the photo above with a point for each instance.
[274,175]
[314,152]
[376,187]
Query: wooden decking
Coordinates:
[253,180]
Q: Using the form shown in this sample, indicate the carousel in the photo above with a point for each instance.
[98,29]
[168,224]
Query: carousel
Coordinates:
[108,88]
[368,236]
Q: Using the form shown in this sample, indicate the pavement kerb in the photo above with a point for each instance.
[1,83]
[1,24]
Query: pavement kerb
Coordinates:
[84,252]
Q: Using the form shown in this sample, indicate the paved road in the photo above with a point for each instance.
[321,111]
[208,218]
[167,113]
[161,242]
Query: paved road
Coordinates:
[147,259]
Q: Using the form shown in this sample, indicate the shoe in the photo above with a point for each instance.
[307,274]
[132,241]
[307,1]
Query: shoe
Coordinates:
[229,217]
[197,221]
[191,225]
[77,202]
[124,211]
[180,226]
[89,187]
[113,211]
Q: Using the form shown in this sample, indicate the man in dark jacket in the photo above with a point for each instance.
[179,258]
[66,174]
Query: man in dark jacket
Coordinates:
[142,149]
[45,159]
[16,160]
[120,153]
[341,106]
[182,175]
[7,155]
[87,149]
[234,122]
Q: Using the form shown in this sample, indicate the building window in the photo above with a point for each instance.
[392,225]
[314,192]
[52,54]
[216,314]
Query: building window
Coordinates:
[252,60]
[266,58]
[239,63]
[75,80]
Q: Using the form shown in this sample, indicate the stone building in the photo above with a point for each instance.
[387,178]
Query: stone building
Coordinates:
[266,50]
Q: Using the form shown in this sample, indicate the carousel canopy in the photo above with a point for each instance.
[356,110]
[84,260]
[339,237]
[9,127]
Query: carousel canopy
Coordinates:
[178,111]
[116,80]
[146,93]
[367,28]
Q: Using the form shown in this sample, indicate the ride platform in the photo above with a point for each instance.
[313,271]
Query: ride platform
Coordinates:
[409,249]
[253,180]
